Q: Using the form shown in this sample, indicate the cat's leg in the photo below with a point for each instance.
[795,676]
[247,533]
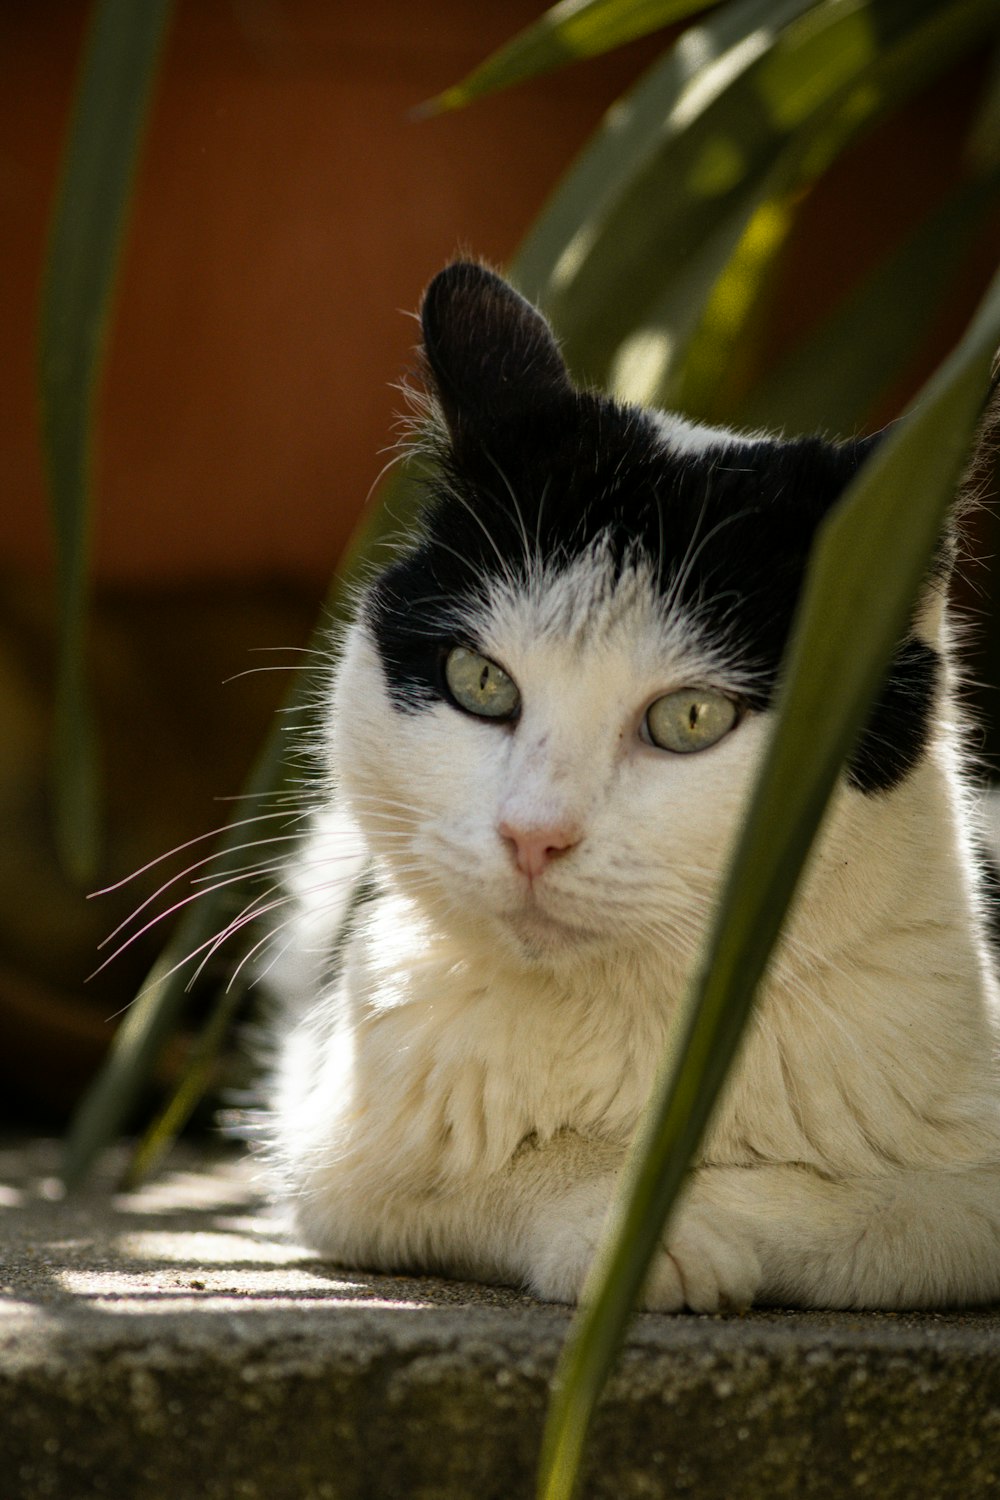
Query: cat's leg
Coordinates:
[537,1223]
[703,1264]
[909,1237]
[781,1234]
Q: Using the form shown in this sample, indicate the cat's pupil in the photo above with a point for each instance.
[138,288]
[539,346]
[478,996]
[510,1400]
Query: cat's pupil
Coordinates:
[484,678]
[693,715]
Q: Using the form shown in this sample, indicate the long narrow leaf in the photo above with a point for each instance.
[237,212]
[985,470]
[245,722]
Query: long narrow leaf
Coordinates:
[984,138]
[835,376]
[119,65]
[663,171]
[195,1081]
[714,337]
[572,30]
[746,109]
[872,556]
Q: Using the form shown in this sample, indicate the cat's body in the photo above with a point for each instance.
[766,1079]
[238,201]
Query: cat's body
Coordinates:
[541,737]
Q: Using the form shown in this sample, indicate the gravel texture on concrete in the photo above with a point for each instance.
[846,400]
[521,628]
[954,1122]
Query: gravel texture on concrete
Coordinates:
[169,1343]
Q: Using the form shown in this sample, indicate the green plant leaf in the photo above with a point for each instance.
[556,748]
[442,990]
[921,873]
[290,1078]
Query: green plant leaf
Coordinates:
[154,1014]
[661,163]
[568,32]
[984,138]
[834,378]
[121,52]
[872,556]
[196,1079]
[744,112]
[714,337]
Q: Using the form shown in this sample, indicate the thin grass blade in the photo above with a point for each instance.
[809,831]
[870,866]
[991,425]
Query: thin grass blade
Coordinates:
[873,555]
[122,50]
[195,1081]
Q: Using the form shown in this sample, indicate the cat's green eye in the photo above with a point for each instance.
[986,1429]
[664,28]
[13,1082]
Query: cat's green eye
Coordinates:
[479,686]
[691,719]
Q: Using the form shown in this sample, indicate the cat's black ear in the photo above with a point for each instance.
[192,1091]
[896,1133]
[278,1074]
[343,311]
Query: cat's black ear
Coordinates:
[490,353]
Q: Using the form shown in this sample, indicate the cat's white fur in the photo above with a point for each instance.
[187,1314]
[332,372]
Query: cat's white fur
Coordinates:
[462,1096]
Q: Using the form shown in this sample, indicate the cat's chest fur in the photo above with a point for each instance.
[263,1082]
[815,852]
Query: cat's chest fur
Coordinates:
[540,740]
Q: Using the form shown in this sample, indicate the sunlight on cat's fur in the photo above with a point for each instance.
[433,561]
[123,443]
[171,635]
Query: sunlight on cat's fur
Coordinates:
[541,736]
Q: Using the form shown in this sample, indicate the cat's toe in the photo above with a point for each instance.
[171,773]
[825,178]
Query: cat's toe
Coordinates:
[663,1290]
[557,1272]
[704,1269]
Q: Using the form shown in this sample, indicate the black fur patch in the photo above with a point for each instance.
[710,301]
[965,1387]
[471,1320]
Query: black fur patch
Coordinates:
[896,733]
[535,467]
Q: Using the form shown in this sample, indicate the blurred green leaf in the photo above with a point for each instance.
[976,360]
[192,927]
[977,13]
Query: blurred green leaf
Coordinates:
[658,177]
[195,1082]
[712,345]
[566,33]
[745,111]
[121,53]
[984,138]
[832,381]
[872,556]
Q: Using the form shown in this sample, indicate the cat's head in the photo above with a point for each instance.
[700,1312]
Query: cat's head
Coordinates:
[553,703]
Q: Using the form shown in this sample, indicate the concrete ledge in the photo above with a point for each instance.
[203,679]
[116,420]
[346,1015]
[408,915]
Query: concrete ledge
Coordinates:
[168,1344]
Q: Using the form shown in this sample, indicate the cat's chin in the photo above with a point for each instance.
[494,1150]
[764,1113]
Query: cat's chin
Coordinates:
[540,937]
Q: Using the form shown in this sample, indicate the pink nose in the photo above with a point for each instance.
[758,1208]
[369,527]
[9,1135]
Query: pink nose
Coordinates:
[534,848]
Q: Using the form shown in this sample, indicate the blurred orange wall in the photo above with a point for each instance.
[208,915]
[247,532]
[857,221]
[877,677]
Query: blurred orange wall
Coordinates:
[289,212]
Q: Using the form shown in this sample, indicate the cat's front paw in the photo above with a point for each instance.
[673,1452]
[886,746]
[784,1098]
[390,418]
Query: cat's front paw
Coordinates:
[705,1266]
[559,1267]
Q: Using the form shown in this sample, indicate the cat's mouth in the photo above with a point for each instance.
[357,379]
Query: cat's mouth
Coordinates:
[540,931]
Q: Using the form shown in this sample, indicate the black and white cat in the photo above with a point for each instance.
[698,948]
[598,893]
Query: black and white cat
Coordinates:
[541,736]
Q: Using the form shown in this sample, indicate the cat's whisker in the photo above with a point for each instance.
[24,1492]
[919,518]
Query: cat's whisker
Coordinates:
[175,968]
[250,914]
[288,838]
[248,872]
[506,571]
[254,671]
[531,559]
[188,844]
[269,937]
[163,916]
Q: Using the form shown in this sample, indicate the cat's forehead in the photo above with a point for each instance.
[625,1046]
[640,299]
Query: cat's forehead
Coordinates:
[592,614]
[587,471]
[583,514]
